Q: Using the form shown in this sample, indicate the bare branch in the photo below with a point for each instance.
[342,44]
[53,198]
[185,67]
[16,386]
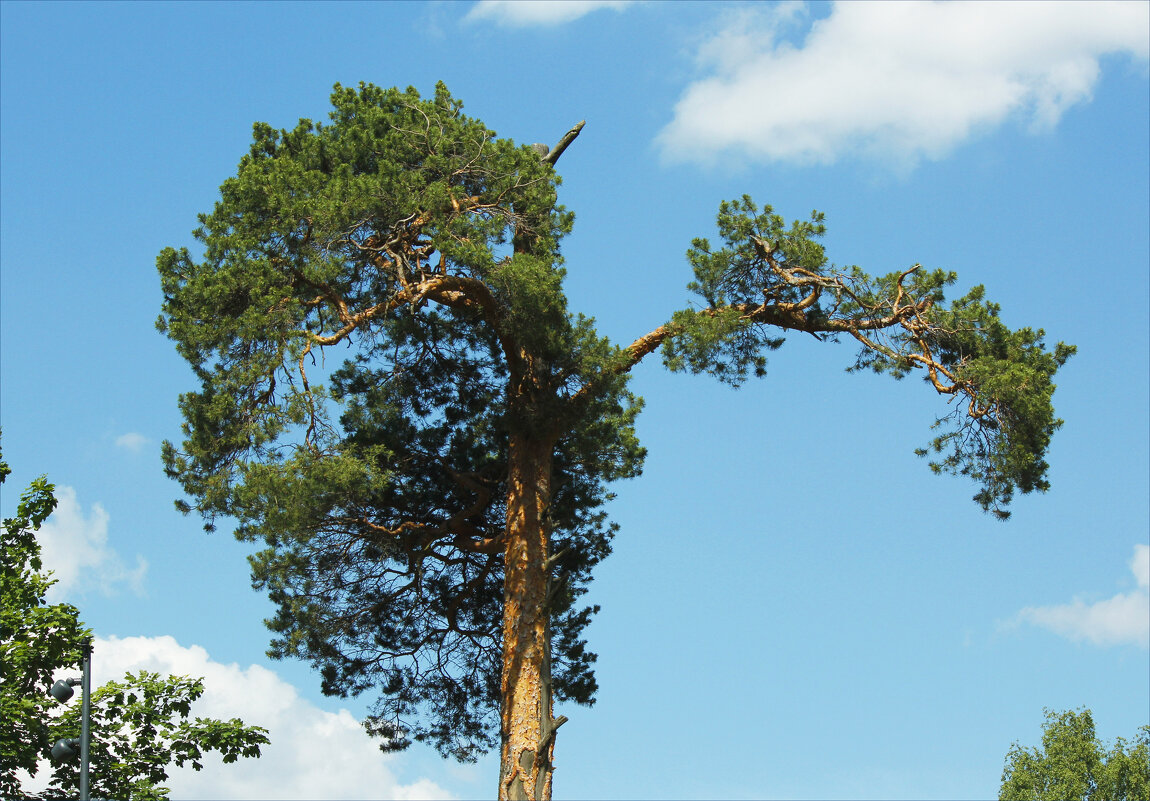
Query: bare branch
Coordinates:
[569,137]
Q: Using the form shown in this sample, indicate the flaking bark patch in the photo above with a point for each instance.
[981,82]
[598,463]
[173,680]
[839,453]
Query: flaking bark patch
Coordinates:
[526,714]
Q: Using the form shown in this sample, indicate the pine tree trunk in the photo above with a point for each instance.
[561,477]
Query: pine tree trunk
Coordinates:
[528,727]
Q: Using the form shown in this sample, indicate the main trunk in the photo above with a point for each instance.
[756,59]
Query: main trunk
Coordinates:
[528,727]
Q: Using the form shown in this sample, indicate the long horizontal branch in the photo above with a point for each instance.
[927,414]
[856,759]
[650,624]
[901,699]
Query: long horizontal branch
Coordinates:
[461,533]
[790,316]
[795,316]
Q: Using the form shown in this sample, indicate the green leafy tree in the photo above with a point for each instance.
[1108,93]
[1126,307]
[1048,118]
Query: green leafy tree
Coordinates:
[35,639]
[139,726]
[1074,764]
[431,500]
[143,728]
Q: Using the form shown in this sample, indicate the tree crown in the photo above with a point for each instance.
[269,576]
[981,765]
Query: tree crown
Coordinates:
[1073,763]
[425,249]
[421,252]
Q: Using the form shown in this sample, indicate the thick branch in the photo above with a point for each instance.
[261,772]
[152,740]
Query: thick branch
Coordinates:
[648,344]
[796,316]
[465,535]
[790,316]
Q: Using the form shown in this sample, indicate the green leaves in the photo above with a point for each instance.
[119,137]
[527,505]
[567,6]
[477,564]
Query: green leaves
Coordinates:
[139,725]
[324,236]
[1009,420]
[1074,764]
[141,728]
[418,252]
[740,272]
[531,290]
[35,639]
[719,341]
[722,339]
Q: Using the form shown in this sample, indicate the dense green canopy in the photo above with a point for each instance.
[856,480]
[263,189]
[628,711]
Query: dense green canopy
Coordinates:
[1074,765]
[384,240]
[36,638]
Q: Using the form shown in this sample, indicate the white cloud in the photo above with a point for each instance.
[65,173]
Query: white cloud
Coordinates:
[131,442]
[313,753]
[1140,566]
[523,13]
[896,82]
[1123,619]
[75,548]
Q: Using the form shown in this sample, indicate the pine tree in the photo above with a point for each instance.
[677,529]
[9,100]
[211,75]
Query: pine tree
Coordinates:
[432,506]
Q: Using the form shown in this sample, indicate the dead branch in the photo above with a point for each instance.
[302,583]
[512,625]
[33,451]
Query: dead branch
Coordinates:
[569,137]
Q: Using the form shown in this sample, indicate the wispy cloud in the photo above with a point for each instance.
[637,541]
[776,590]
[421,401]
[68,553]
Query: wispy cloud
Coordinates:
[75,548]
[131,442]
[313,753]
[1122,619]
[894,82]
[525,13]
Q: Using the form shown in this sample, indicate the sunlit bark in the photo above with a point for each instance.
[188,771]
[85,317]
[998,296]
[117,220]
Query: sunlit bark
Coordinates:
[526,718]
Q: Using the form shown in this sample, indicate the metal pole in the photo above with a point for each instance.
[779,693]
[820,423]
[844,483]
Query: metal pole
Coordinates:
[85,718]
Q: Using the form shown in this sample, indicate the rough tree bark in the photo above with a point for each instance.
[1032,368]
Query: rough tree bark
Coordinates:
[527,722]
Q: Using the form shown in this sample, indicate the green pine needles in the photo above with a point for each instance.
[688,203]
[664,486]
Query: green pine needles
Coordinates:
[1001,428]
[387,239]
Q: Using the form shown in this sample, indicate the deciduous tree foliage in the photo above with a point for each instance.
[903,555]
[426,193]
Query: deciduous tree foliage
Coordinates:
[1074,765]
[35,639]
[141,728]
[397,403]
[139,725]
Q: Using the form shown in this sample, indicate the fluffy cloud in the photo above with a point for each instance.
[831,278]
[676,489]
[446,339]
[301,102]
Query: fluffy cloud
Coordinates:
[313,753]
[523,13]
[1123,619]
[896,82]
[75,548]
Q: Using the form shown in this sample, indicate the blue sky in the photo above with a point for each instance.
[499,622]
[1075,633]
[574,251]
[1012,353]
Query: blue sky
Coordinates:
[796,607]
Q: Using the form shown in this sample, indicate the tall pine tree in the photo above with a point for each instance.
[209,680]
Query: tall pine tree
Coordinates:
[432,505]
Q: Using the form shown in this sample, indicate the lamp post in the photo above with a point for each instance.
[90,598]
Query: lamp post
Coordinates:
[62,691]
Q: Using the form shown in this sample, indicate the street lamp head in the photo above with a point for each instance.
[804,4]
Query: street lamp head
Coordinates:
[62,690]
[68,748]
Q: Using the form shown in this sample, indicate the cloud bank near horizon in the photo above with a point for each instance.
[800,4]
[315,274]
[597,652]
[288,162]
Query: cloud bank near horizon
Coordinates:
[313,753]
